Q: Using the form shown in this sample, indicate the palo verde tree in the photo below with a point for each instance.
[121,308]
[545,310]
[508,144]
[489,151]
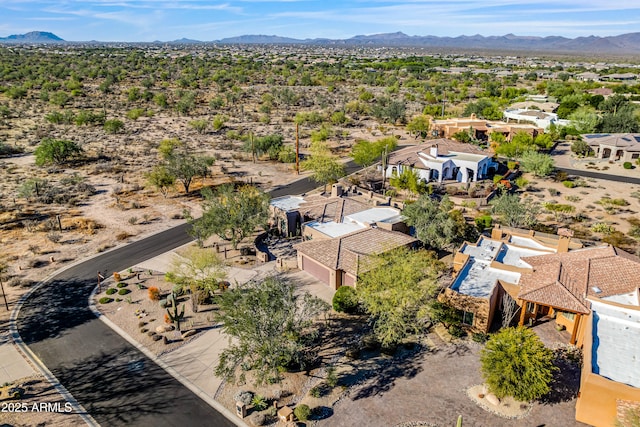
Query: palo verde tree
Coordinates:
[365,153]
[324,166]
[396,289]
[56,151]
[271,327]
[232,214]
[539,164]
[516,363]
[198,269]
[161,178]
[437,224]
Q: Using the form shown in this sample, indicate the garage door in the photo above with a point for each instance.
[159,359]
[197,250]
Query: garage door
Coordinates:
[315,269]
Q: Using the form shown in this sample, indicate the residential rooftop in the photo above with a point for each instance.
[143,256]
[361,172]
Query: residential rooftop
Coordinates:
[482,271]
[356,221]
[616,340]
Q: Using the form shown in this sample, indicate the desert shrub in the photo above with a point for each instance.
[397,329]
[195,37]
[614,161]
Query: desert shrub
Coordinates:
[315,392]
[156,337]
[345,300]
[121,285]
[243,396]
[124,291]
[332,377]
[105,300]
[627,165]
[302,412]
[511,165]
[154,293]
[111,291]
[497,178]
[456,331]
[259,402]
[483,222]
[569,184]
[480,337]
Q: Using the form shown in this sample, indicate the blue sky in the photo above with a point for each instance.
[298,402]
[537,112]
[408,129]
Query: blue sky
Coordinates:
[149,20]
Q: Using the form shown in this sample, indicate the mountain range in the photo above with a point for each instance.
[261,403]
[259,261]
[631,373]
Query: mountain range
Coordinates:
[624,44]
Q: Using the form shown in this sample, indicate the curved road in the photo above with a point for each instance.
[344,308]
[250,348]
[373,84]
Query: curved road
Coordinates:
[116,383]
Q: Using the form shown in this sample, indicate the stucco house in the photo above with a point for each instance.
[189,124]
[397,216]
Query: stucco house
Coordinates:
[610,380]
[442,159]
[480,129]
[338,261]
[539,118]
[615,146]
[489,270]
[559,284]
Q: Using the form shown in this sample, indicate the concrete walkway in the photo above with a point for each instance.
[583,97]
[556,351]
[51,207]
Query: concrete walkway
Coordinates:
[13,364]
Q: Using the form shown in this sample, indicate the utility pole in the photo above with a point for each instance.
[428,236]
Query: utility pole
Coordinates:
[444,100]
[297,150]
[384,167]
[3,268]
[253,148]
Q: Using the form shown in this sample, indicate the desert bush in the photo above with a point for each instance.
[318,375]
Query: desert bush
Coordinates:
[483,222]
[601,227]
[480,337]
[627,165]
[154,293]
[345,300]
[124,291]
[259,402]
[456,331]
[121,285]
[105,300]
[302,412]
[243,396]
[111,291]
[315,392]
[569,184]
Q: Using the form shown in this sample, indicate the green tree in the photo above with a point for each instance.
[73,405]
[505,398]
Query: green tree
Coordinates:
[514,213]
[410,181]
[539,164]
[186,167]
[584,119]
[419,126]
[396,289]
[232,214]
[516,363]
[345,299]
[197,269]
[365,153]
[437,224]
[56,151]
[581,148]
[324,166]
[161,178]
[272,327]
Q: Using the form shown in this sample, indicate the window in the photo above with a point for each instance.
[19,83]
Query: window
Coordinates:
[467,318]
[531,307]
[567,315]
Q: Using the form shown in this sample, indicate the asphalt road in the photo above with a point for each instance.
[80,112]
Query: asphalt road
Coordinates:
[609,177]
[116,383]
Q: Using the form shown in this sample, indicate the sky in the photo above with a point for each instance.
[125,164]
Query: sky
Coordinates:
[208,20]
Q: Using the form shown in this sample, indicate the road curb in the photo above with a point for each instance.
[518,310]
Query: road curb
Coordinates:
[175,374]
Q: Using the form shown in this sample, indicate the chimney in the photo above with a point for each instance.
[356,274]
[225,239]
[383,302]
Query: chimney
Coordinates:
[564,240]
[433,150]
[336,190]
[496,232]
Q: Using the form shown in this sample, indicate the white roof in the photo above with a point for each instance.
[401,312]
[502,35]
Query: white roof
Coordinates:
[335,229]
[616,340]
[372,215]
[478,279]
[287,203]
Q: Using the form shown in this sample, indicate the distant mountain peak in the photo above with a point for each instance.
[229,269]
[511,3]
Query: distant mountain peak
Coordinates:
[33,37]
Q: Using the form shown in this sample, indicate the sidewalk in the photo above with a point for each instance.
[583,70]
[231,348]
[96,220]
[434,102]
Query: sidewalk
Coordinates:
[13,365]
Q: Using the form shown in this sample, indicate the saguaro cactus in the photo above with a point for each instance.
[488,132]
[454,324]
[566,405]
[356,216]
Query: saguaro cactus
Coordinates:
[177,316]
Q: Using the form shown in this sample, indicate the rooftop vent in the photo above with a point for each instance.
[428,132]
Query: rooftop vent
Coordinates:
[596,289]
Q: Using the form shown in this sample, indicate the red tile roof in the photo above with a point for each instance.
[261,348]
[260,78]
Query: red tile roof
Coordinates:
[564,280]
[348,252]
